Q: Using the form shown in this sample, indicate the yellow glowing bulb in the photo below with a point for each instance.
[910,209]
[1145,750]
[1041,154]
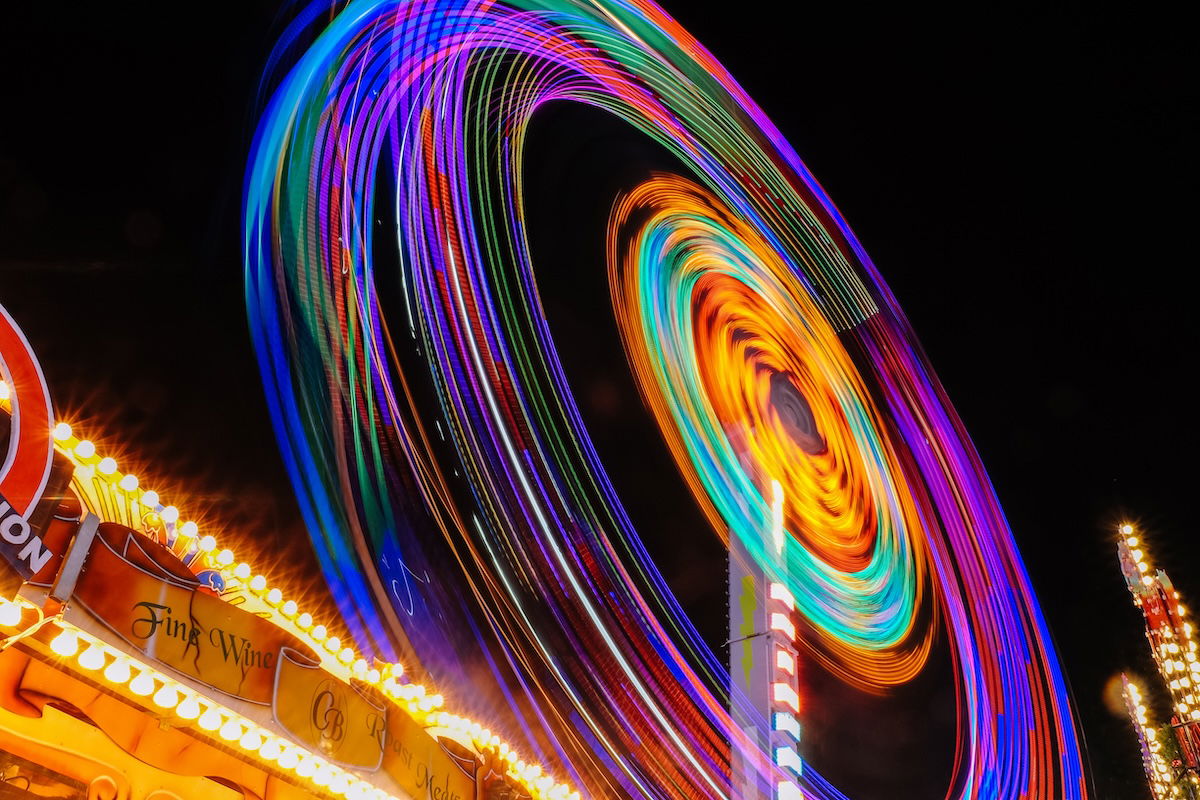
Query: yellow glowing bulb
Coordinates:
[206,544]
[270,750]
[346,656]
[188,709]
[224,558]
[274,597]
[231,731]
[373,675]
[1126,529]
[359,667]
[333,644]
[66,644]
[258,583]
[142,685]
[210,720]
[318,633]
[305,621]
[129,482]
[62,432]
[118,671]
[250,741]
[92,658]
[289,759]
[290,608]
[306,768]
[242,571]
[150,499]
[170,514]
[188,529]
[166,697]
[107,465]
[10,614]
[85,449]
[1132,541]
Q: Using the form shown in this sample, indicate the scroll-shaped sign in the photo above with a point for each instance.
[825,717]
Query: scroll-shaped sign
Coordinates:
[332,717]
[30,453]
[140,590]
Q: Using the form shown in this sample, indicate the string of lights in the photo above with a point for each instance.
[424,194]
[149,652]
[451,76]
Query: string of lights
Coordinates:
[118,497]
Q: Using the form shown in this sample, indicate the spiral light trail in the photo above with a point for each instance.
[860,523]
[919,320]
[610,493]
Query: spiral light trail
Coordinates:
[462,514]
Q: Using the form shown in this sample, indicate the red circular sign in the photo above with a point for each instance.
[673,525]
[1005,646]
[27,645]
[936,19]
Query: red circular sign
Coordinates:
[27,463]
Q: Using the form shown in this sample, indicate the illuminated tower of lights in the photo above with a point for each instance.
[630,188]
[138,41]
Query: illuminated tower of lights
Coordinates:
[1158,772]
[1171,643]
[762,664]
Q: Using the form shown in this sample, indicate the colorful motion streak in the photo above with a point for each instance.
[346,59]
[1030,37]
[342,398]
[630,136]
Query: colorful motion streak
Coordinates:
[427,422]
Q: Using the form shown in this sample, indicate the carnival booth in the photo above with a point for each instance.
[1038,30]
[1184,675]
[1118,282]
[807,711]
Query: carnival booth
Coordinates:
[141,658]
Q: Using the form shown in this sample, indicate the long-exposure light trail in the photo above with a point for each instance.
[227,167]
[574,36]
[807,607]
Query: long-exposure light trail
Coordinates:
[462,513]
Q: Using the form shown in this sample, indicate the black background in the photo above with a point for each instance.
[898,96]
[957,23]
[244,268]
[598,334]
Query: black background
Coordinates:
[1023,178]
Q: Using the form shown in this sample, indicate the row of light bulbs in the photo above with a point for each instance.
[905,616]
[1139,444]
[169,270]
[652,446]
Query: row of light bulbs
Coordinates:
[1161,780]
[141,680]
[339,658]
[1180,677]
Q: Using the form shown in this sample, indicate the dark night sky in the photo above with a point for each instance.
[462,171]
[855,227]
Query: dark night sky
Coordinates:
[1023,178]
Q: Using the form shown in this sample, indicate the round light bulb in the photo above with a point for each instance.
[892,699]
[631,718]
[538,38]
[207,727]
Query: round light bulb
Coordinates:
[231,731]
[275,597]
[319,633]
[118,671]
[305,621]
[250,741]
[258,583]
[66,644]
[224,558]
[333,644]
[150,499]
[142,685]
[241,571]
[289,759]
[92,658]
[170,514]
[129,482]
[346,656]
[166,697]
[62,432]
[189,708]
[188,529]
[290,608]
[206,544]
[107,465]
[85,449]
[270,750]
[10,614]
[210,720]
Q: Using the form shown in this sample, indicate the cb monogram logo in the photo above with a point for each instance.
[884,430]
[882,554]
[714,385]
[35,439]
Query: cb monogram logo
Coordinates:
[329,716]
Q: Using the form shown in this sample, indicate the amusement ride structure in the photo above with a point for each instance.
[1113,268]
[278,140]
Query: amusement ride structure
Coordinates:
[464,518]
[1171,752]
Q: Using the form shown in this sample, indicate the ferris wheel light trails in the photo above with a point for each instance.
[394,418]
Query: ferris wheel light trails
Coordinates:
[462,514]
